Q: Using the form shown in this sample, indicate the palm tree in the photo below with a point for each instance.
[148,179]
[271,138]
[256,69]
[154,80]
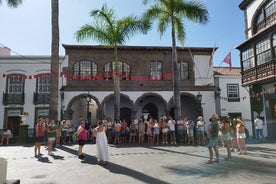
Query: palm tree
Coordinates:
[53,109]
[112,32]
[171,13]
[12,3]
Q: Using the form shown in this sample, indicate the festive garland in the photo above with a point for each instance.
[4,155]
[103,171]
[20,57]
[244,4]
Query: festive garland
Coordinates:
[96,77]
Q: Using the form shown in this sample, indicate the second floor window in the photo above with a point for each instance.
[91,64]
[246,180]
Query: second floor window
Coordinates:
[85,69]
[124,70]
[183,70]
[233,93]
[274,42]
[266,16]
[43,84]
[15,83]
[248,59]
[263,51]
[156,70]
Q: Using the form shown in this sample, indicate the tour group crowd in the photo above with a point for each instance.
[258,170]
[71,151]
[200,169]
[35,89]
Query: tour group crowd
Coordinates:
[229,133]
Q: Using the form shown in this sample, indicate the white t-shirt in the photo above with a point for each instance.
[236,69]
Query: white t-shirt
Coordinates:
[171,124]
[258,123]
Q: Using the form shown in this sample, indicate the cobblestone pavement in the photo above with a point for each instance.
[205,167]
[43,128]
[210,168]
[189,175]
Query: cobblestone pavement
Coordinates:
[141,164]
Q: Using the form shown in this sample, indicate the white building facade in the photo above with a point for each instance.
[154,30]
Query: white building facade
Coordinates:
[232,99]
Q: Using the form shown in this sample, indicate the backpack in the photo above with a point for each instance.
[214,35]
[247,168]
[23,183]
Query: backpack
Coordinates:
[74,136]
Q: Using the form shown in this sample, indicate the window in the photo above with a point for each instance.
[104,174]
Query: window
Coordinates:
[43,84]
[85,69]
[248,59]
[124,70]
[156,70]
[233,93]
[183,70]
[15,84]
[274,42]
[263,51]
[266,16]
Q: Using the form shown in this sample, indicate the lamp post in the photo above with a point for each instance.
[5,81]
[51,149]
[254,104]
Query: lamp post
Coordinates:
[88,99]
[199,99]
[217,100]
[217,92]
[61,102]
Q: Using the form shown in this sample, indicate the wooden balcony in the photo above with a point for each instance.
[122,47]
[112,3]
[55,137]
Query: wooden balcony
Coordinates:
[41,98]
[260,73]
[10,99]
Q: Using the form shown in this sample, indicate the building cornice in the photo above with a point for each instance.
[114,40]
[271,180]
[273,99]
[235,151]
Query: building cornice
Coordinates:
[257,36]
[244,4]
[158,48]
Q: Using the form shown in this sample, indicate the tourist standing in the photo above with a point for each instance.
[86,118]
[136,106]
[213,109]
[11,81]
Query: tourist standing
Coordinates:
[81,137]
[213,138]
[101,143]
[156,132]
[241,136]
[190,131]
[51,131]
[171,125]
[226,133]
[117,132]
[6,135]
[39,137]
[259,124]
[200,126]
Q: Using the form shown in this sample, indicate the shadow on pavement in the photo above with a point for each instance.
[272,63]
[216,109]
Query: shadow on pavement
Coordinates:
[240,166]
[115,168]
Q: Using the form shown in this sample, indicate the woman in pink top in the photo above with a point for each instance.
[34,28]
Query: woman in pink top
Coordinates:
[81,137]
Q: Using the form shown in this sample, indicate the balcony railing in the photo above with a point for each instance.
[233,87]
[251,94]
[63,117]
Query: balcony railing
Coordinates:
[11,98]
[41,98]
[260,72]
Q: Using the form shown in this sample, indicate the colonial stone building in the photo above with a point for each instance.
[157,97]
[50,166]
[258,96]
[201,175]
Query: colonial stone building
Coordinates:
[86,84]
[257,58]
[145,84]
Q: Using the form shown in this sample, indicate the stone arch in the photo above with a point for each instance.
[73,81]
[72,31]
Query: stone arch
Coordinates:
[69,112]
[125,103]
[145,100]
[189,106]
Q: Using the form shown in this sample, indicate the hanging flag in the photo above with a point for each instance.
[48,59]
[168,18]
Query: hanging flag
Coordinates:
[227,60]
[211,58]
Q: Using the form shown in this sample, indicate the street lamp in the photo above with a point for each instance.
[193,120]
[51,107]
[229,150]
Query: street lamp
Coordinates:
[88,99]
[217,92]
[199,97]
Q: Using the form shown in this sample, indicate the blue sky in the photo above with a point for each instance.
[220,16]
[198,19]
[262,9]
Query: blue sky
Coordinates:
[27,29]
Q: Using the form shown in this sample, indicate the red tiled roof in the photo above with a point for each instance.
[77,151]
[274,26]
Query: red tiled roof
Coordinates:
[225,71]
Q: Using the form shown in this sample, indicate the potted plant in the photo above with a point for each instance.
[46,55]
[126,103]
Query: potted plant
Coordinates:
[24,116]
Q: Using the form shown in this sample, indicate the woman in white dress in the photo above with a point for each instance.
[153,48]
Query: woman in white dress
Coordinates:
[101,143]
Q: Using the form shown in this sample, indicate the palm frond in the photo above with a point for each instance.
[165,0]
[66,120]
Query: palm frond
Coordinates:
[13,3]
[180,30]
[194,11]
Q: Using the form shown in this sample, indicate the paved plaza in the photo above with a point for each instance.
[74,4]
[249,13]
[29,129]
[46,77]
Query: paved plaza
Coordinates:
[141,164]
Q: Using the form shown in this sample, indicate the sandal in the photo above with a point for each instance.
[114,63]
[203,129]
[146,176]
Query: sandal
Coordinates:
[209,162]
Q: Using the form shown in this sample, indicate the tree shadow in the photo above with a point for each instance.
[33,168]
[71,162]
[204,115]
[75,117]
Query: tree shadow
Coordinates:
[249,169]
[115,168]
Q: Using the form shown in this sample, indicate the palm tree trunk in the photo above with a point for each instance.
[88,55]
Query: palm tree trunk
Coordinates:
[176,92]
[53,109]
[116,86]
